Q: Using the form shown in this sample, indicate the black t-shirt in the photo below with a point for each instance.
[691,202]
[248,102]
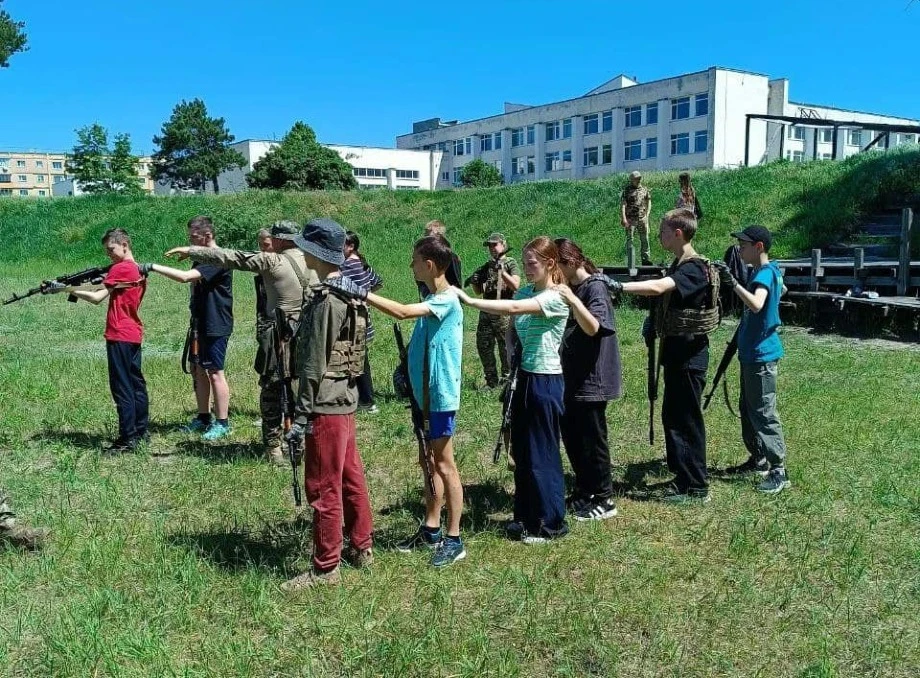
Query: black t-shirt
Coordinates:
[212,301]
[454,275]
[591,365]
[692,291]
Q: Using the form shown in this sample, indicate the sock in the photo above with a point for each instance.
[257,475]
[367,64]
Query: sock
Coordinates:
[453,538]
[224,422]
[431,531]
[204,417]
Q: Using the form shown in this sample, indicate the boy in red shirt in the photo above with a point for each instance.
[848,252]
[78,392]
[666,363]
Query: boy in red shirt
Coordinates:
[124,286]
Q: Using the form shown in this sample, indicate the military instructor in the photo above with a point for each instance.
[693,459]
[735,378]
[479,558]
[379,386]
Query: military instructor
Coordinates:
[635,207]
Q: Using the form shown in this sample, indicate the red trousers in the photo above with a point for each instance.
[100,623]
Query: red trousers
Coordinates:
[336,489]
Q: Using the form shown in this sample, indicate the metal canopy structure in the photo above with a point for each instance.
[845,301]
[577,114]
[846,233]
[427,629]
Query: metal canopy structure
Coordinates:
[884,131]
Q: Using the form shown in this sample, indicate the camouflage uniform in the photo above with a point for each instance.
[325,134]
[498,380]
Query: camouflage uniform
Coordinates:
[637,199]
[492,328]
[286,279]
[14,534]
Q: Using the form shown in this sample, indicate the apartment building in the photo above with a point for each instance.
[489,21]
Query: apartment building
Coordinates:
[696,120]
[34,174]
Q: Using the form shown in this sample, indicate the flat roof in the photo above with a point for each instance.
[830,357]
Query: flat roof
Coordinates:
[849,110]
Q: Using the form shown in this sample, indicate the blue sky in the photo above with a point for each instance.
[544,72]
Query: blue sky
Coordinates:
[362,72]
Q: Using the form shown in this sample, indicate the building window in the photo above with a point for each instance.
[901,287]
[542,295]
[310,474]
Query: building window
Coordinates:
[590,124]
[445,177]
[23,191]
[40,178]
[458,172]
[651,147]
[854,137]
[607,121]
[6,191]
[551,161]
[632,150]
[497,138]
[20,163]
[566,160]
[651,114]
[517,137]
[680,143]
[42,194]
[531,134]
[795,156]
[826,135]
[523,165]
[633,116]
[907,139]
[590,156]
[40,164]
[370,172]
[458,146]
[406,174]
[552,130]
[680,108]
[22,178]
[57,164]
[606,154]
[796,132]
[567,128]
[531,164]
[825,156]
[700,141]
[702,104]
[4,164]
[498,165]
[469,145]
[58,178]
[485,143]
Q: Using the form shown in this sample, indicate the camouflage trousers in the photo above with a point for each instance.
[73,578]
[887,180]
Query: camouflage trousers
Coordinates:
[641,225]
[270,408]
[490,331]
[7,516]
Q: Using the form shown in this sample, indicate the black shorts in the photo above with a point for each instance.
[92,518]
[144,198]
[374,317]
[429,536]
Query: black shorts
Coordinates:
[211,352]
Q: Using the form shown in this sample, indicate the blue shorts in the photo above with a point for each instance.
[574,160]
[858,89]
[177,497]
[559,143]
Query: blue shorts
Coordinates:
[211,352]
[441,424]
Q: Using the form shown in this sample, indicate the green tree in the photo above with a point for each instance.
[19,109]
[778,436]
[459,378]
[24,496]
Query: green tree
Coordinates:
[193,148]
[99,169]
[300,163]
[480,174]
[12,38]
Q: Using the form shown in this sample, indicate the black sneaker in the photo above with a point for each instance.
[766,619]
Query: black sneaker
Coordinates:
[575,502]
[752,466]
[120,446]
[601,510]
[515,530]
[776,481]
[421,539]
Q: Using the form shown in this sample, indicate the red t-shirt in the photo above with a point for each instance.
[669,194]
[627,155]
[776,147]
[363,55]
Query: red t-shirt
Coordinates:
[122,322]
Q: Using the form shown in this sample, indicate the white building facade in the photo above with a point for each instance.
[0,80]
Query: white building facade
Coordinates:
[392,168]
[697,120]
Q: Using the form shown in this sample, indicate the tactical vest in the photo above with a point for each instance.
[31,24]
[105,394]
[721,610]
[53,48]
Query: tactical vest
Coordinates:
[670,322]
[346,360]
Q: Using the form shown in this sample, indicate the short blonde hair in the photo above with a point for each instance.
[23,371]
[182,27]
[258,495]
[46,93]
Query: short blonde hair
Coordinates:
[435,227]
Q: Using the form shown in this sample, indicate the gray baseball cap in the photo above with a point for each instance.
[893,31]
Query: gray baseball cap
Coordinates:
[635,174]
[285,230]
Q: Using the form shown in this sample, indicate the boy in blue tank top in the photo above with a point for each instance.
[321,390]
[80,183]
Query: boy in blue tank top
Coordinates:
[759,352]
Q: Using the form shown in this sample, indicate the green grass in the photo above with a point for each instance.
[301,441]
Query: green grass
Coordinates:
[168,562]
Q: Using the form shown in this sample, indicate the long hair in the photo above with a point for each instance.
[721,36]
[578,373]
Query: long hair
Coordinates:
[570,254]
[352,239]
[686,187]
[548,253]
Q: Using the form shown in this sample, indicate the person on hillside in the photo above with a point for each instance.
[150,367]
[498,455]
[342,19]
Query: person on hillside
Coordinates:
[540,314]
[591,367]
[635,207]
[454,272]
[759,352]
[357,268]
[687,198]
[286,278]
[13,533]
[124,286]
[435,355]
[329,356]
[211,308]
[685,314]
[496,279]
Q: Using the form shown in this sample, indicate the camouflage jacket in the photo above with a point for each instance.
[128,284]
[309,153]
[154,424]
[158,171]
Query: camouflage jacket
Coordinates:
[486,276]
[636,199]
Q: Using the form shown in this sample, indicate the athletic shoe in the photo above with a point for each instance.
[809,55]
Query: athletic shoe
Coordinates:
[678,497]
[216,431]
[275,456]
[575,502]
[596,511]
[448,551]
[514,530]
[776,481]
[358,557]
[368,409]
[752,466]
[120,446]
[533,539]
[311,578]
[194,426]
[421,539]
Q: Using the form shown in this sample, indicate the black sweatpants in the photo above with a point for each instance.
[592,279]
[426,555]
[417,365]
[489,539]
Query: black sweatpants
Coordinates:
[684,428]
[129,390]
[584,434]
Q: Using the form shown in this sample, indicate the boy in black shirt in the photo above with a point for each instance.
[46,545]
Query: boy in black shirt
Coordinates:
[211,308]
[685,314]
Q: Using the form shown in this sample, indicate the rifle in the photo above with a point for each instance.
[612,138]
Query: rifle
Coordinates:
[494,263]
[507,396]
[727,357]
[287,398]
[418,416]
[64,283]
[652,385]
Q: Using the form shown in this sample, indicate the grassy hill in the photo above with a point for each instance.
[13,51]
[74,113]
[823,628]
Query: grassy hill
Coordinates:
[167,562]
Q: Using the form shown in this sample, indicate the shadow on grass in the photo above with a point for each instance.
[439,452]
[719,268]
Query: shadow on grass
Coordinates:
[274,549]
[78,439]
[220,452]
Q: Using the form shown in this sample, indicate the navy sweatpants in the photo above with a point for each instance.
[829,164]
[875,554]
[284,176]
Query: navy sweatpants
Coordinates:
[129,390]
[539,488]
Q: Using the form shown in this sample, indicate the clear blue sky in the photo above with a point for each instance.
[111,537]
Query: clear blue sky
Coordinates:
[361,72]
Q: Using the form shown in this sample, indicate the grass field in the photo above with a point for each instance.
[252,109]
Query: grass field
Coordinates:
[168,562]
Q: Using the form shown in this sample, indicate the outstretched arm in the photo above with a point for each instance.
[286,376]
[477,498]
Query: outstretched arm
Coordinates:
[92,296]
[586,321]
[502,306]
[650,288]
[176,274]
[396,309]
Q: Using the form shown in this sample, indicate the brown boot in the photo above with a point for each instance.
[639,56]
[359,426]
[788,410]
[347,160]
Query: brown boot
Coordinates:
[358,557]
[22,537]
[311,578]
[275,455]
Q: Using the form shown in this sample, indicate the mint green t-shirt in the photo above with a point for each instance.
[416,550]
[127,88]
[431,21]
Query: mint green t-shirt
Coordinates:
[541,335]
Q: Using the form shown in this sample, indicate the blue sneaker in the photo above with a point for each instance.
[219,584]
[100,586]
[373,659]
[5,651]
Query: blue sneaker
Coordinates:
[448,551]
[776,481]
[194,426]
[216,431]
[421,539]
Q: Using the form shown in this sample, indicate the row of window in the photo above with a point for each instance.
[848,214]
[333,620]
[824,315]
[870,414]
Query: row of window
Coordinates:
[23,192]
[375,173]
[854,137]
[24,178]
[39,164]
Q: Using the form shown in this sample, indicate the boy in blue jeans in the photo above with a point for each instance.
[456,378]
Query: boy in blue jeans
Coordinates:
[759,351]
[435,353]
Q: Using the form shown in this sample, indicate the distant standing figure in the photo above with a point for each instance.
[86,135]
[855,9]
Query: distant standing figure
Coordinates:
[635,206]
[687,197]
